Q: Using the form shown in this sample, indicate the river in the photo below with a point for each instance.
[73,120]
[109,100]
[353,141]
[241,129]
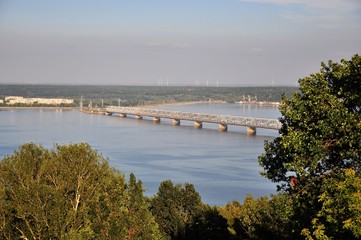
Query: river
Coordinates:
[222,166]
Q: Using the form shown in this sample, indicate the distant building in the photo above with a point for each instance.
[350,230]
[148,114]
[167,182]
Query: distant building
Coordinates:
[1,101]
[11,100]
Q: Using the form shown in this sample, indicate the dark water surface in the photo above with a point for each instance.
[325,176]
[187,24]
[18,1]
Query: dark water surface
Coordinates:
[222,165]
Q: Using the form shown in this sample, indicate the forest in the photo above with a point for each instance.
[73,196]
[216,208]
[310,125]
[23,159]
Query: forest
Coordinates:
[142,95]
[70,191]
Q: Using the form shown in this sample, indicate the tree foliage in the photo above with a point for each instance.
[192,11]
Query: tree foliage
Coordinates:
[261,218]
[320,139]
[174,207]
[340,212]
[139,95]
[208,224]
[69,193]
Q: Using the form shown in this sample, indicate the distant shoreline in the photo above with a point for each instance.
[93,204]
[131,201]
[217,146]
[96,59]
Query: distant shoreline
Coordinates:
[31,107]
[259,103]
[179,103]
[204,102]
[141,106]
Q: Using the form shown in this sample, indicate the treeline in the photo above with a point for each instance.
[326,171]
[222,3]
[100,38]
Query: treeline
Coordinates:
[140,95]
[71,192]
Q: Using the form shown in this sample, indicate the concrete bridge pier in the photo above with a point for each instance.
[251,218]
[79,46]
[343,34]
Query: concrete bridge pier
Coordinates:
[156,119]
[222,127]
[251,131]
[176,122]
[198,118]
[197,124]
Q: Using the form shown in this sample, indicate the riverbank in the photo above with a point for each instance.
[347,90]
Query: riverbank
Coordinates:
[100,111]
[179,103]
[259,103]
[31,107]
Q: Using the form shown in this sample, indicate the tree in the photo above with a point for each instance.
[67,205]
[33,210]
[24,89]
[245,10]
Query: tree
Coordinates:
[232,213]
[140,225]
[260,218]
[27,199]
[319,140]
[341,208]
[174,207]
[69,193]
[208,224]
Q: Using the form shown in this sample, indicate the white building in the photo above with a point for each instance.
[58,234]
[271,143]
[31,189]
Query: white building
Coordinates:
[11,100]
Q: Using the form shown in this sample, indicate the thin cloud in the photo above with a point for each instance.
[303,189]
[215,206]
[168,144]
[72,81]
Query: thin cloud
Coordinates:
[324,21]
[341,5]
[324,13]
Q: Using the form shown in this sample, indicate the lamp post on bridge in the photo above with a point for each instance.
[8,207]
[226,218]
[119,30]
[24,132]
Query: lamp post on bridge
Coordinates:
[81,103]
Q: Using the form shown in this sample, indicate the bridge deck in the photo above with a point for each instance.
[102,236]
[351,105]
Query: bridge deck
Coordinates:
[225,120]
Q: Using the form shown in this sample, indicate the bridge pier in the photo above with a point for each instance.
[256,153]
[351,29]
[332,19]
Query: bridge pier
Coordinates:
[198,124]
[175,122]
[222,127]
[198,118]
[251,131]
[156,119]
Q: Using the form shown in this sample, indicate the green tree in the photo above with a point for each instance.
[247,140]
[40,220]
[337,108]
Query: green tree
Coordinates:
[208,224]
[341,208]
[27,199]
[69,193]
[265,218]
[232,213]
[261,218]
[108,212]
[174,207]
[320,138]
[140,225]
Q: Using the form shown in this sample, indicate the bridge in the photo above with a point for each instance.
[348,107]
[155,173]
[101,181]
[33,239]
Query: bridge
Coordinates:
[198,118]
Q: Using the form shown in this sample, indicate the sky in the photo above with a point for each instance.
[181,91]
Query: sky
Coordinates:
[174,42]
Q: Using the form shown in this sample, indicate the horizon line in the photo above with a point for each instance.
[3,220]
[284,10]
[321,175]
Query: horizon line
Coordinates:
[150,85]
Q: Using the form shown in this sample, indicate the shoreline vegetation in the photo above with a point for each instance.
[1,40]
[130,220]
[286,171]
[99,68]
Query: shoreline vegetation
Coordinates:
[42,107]
[96,96]
[141,106]
[100,111]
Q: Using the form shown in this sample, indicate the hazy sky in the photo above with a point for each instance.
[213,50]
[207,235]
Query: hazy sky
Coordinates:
[179,42]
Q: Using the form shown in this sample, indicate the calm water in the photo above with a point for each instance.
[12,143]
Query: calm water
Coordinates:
[222,165]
